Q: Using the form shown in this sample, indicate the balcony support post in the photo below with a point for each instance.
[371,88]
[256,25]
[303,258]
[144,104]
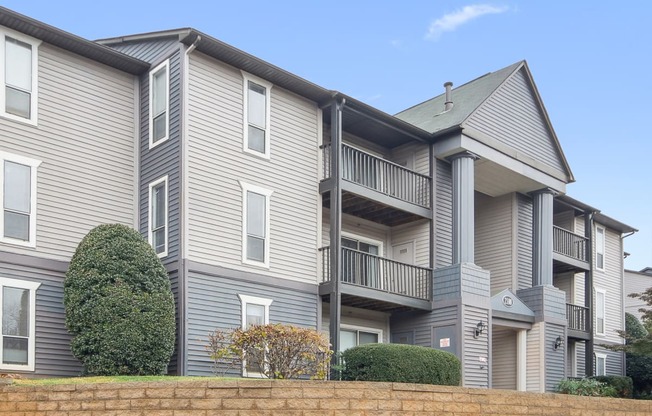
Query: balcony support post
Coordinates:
[433,242]
[542,237]
[335,300]
[463,208]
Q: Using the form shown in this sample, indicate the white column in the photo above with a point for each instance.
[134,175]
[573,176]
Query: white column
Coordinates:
[542,242]
[521,360]
[463,208]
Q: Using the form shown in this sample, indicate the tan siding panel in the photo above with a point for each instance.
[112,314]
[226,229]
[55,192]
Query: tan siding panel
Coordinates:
[611,280]
[493,239]
[503,360]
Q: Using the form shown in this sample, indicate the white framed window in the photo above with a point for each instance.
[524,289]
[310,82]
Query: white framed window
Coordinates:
[256,93]
[255,224]
[600,311]
[352,336]
[19,74]
[255,311]
[358,267]
[18,195]
[158,216]
[600,364]
[599,248]
[159,104]
[18,332]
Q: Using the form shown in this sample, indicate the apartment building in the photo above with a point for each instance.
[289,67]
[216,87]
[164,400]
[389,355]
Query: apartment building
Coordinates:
[637,282]
[271,199]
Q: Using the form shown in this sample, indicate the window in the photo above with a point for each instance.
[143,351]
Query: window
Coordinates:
[255,229]
[600,315]
[600,364]
[361,262]
[255,311]
[353,336]
[18,191]
[256,115]
[19,73]
[158,216]
[18,300]
[159,99]
[599,248]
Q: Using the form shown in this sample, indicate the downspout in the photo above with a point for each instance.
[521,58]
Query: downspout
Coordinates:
[182,353]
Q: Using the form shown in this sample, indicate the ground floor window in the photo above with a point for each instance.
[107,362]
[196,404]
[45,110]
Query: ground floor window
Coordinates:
[600,364]
[255,311]
[18,301]
[351,337]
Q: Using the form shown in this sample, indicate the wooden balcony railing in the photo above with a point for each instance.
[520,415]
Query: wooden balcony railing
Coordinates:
[381,175]
[375,272]
[577,317]
[570,244]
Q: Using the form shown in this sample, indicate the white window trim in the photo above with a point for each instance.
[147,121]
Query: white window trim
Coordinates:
[597,249]
[364,329]
[33,164]
[31,352]
[267,194]
[33,120]
[254,300]
[600,356]
[246,77]
[150,216]
[604,310]
[166,65]
[363,239]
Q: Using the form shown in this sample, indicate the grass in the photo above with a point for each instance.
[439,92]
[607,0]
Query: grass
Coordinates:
[110,379]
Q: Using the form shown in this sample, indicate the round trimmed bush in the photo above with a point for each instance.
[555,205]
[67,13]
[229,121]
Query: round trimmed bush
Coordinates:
[119,305]
[401,363]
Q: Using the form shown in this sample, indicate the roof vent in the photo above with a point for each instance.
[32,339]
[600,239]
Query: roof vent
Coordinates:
[448,104]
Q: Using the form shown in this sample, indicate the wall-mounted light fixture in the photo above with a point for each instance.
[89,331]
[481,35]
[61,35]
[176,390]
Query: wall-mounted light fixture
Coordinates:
[479,329]
[558,343]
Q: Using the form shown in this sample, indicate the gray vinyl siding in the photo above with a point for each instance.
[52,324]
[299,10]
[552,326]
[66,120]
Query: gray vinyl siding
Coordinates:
[85,140]
[474,348]
[565,282]
[148,51]
[513,117]
[52,357]
[422,323]
[218,164]
[493,239]
[358,318]
[213,303]
[524,236]
[534,361]
[174,283]
[503,360]
[636,283]
[611,280]
[359,227]
[555,359]
[417,154]
[163,159]
[417,232]
[580,355]
[443,214]
[565,220]
[615,361]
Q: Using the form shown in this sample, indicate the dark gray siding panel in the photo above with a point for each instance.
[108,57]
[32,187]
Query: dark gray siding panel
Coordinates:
[53,356]
[555,359]
[421,324]
[213,303]
[524,241]
[174,280]
[146,51]
[443,214]
[615,361]
[164,159]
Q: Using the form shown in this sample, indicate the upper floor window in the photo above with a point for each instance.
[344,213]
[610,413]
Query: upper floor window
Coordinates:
[599,248]
[159,103]
[256,115]
[600,311]
[17,313]
[18,194]
[255,227]
[19,73]
[158,216]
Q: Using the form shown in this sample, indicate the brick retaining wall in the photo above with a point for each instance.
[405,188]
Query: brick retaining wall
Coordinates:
[265,397]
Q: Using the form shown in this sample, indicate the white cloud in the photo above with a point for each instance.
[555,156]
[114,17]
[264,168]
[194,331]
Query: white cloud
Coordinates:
[451,21]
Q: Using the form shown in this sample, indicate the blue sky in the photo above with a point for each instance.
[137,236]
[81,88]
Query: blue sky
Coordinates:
[591,62]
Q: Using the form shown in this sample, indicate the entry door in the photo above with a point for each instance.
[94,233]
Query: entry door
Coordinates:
[404,252]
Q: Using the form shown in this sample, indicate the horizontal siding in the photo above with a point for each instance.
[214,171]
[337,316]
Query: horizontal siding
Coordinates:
[476,373]
[418,233]
[615,361]
[358,318]
[524,236]
[415,156]
[503,360]
[534,362]
[636,283]
[87,173]
[213,303]
[512,116]
[53,356]
[215,137]
[357,227]
[555,359]
[443,215]
[611,280]
[493,239]
[422,323]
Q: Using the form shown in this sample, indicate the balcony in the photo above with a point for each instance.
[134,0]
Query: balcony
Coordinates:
[377,189]
[578,321]
[570,251]
[374,282]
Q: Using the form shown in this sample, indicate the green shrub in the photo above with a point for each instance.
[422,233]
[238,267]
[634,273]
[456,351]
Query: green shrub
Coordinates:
[401,363]
[623,385]
[118,303]
[586,387]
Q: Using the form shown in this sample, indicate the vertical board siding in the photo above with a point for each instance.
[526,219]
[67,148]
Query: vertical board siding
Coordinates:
[493,239]
[513,117]
[443,214]
[555,367]
[53,357]
[148,51]
[163,159]
[214,304]
[611,280]
[503,360]
[85,140]
[215,141]
[524,241]
[534,362]
[474,348]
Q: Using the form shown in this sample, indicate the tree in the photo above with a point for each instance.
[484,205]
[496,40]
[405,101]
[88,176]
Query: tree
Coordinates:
[640,343]
[639,366]
[119,305]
